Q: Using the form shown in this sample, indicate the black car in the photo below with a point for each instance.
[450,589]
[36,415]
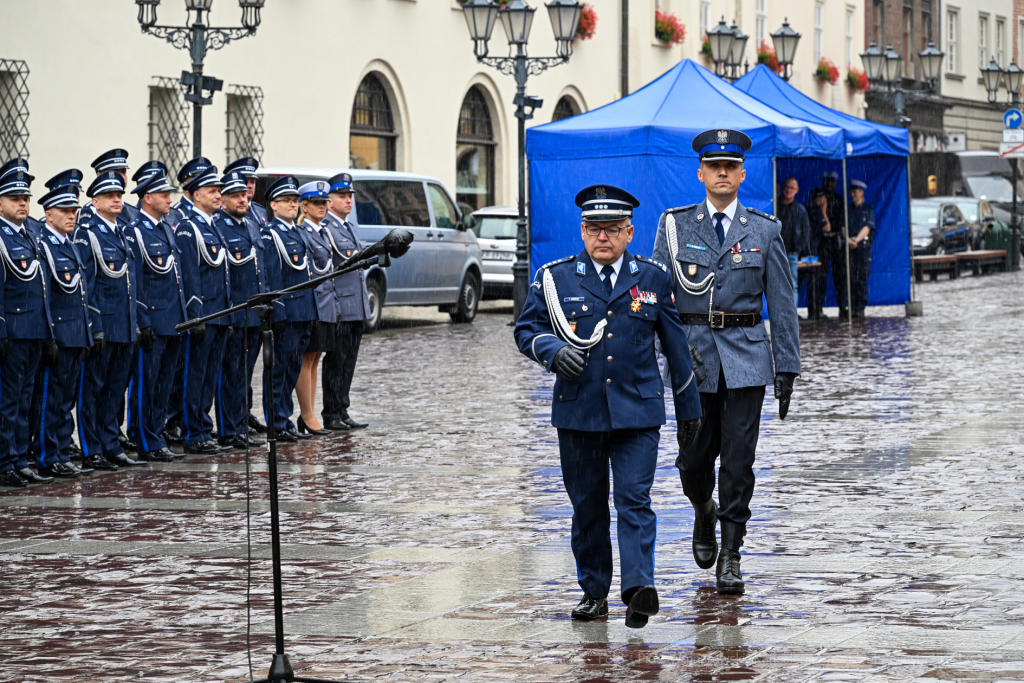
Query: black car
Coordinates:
[939,227]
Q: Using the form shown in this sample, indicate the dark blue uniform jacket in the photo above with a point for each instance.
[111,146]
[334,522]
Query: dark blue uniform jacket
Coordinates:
[24,305]
[161,285]
[204,254]
[246,260]
[69,295]
[111,275]
[292,257]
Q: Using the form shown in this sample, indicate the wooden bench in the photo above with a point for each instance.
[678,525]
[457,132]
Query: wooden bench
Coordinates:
[934,265]
[983,262]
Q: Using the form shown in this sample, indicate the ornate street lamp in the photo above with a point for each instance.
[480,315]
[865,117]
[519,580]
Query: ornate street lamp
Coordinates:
[720,40]
[1012,78]
[517,20]
[931,63]
[892,66]
[739,44]
[992,75]
[785,41]
[198,38]
[873,59]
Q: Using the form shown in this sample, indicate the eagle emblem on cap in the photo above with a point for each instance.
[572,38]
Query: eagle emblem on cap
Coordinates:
[320,186]
[723,136]
[600,192]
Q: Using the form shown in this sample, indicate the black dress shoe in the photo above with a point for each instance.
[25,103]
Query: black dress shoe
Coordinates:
[124,461]
[730,577]
[174,435]
[297,434]
[590,608]
[355,425]
[705,545]
[61,470]
[240,442]
[98,462]
[255,424]
[287,436]
[643,603]
[29,475]
[74,451]
[12,479]
[127,445]
[81,469]
[338,425]
[162,455]
[207,447]
[303,428]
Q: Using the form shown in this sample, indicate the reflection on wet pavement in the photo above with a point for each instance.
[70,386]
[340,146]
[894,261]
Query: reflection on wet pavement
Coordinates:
[885,544]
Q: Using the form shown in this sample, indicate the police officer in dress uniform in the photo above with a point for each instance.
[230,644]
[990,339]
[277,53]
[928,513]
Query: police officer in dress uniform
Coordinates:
[291,257]
[147,171]
[592,319]
[862,232]
[111,283]
[246,265]
[112,160]
[724,257]
[26,328]
[57,386]
[161,292]
[353,308]
[182,209]
[203,254]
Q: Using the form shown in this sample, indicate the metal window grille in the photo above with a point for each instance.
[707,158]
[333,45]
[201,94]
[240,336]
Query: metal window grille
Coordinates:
[371,112]
[245,122]
[13,108]
[564,109]
[475,118]
[168,123]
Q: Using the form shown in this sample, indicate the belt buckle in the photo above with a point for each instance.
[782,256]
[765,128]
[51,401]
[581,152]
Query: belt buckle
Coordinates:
[717,320]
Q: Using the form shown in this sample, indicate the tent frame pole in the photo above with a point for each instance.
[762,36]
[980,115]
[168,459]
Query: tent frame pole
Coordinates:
[846,241]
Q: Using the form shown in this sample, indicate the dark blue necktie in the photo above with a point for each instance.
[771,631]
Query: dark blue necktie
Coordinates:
[719,230]
[608,271]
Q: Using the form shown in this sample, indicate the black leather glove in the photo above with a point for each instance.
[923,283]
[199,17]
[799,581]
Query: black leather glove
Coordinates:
[783,391]
[568,363]
[278,329]
[198,334]
[698,364]
[50,354]
[147,337]
[687,434]
[99,342]
[5,348]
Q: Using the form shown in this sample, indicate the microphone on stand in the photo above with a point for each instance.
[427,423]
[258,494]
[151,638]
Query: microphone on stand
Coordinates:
[394,244]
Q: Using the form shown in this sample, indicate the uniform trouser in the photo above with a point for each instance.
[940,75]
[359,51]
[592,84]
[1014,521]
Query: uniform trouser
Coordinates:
[235,380]
[203,362]
[126,396]
[288,350]
[633,455]
[732,418]
[832,254]
[339,367]
[105,374]
[151,389]
[56,391]
[860,269]
[17,382]
[175,399]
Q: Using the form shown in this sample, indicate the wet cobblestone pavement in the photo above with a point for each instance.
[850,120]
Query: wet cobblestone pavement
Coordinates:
[433,546]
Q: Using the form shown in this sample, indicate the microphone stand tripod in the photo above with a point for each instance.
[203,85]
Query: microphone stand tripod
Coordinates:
[280,669]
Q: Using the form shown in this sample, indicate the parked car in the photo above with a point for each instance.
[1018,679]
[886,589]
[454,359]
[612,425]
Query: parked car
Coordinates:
[442,267]
[495,229]
[979,214]
[938,227]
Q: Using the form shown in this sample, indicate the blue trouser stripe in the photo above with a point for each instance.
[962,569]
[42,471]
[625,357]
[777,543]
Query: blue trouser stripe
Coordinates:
[141,430]
[81,428]
[220,402]
[42,419]
[184,391]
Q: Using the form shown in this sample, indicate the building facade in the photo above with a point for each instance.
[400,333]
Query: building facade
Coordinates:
[386,84]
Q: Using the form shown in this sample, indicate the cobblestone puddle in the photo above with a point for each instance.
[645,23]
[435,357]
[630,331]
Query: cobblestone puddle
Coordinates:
[885,544]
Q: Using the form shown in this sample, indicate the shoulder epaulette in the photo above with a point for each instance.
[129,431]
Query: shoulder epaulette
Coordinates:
[678,209]
[561,260]
[652,261]
[763,214]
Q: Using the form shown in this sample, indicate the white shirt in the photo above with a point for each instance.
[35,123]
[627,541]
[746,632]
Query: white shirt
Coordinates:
[614,276]
[729,212]
[59,235]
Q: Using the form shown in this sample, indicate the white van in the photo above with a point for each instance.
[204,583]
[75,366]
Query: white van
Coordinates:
[442,268]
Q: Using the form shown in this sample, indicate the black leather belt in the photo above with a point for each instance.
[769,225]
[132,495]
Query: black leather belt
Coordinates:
[719,319]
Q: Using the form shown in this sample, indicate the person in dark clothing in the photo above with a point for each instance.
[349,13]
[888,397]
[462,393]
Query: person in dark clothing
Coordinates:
[862,232]
[827,238]
[796,228]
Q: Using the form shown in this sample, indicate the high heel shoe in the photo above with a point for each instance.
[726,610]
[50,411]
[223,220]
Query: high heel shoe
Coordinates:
[306,429]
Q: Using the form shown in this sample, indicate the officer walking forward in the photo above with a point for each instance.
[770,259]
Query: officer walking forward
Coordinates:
[592,319]
[724,257]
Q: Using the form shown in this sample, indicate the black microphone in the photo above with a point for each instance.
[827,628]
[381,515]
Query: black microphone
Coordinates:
[394,244]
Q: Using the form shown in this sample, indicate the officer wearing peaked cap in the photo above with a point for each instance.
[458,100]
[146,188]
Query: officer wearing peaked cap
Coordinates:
[26,329]
[112,160]
[162,296]
[204,262]
[592,319]
[247,167]
[149,169]
[182,209]
[289,260]
[246,257]
[57,386]
[862,233]
[111,283]
[72,178]
[723,258]
[353,308]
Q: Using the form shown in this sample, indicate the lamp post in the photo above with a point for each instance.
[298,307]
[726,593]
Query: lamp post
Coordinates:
[785,41]
[517,20]
[992,76]
[198,38]
[735,57]
[720,39]
[885,67]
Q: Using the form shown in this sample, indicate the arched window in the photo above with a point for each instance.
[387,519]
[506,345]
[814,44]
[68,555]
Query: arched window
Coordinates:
[565,108]
[372,132]
[474,153]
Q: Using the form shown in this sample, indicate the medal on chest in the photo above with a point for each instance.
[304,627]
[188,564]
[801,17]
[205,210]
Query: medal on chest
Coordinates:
[24,265]
[159,260]
[213,249]
[634,292]
[238,256]
[67,276]
[295,257]
[692,270]
[111,265]
[572,326]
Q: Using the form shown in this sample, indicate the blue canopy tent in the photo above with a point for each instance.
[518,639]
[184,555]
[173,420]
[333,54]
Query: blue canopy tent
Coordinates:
[642,144]
[876,154]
